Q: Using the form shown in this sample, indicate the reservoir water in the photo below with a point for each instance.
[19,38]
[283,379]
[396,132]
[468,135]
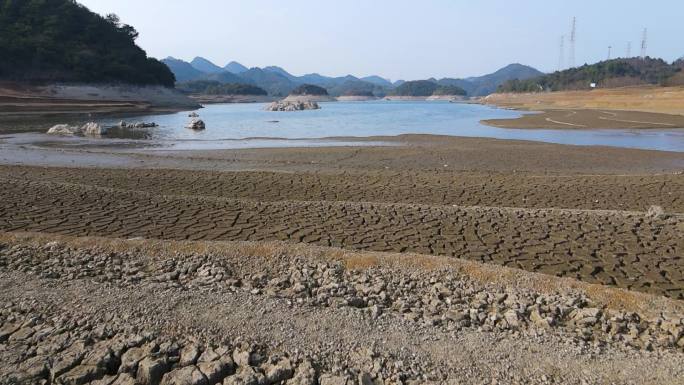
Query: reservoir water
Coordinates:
[248,125]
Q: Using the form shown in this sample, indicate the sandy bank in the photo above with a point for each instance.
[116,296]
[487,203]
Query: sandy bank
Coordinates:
[219,99]
[628,107]
[309,98]
[425,98]
[58,99]
[355,98]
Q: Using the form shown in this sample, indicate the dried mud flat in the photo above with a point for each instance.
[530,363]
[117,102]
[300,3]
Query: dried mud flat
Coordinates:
[446,260]
[628,249]
[591,119]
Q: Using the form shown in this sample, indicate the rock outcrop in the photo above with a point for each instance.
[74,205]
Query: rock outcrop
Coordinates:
[90,128]
[196,124]
[64,129]
[285,105]
[123,124]
[93,129]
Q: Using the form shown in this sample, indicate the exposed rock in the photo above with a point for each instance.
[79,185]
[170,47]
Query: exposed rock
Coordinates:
[208,356]
[304,375]
[123,124]
[279,371]
[22,334]
[189,375]
[216,371]
[151,370]
[241,357]
[292,106]
[32,370]
[193,115]
[189,355]
[64,129]
[80,375]
[93,129]
[329,379]
[124,379]
[196,124]
[245,376]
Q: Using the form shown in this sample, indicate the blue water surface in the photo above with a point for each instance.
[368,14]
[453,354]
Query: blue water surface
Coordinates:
[227,123]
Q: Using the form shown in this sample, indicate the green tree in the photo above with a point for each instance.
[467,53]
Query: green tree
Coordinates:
[61,40]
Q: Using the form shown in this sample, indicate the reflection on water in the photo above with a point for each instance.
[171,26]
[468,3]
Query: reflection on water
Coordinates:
[228,124]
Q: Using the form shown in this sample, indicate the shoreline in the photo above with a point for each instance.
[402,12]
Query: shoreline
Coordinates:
[644,107]
[70,100]
[375,152]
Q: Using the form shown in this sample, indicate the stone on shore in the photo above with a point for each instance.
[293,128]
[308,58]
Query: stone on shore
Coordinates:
[292,106]
[64,129]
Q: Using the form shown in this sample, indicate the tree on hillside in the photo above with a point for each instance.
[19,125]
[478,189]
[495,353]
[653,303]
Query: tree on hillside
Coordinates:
[61,40]
[614,72]
[416,88]
[309,89]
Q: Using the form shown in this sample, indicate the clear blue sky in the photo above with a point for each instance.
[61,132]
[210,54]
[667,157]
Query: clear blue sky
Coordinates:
[398,39]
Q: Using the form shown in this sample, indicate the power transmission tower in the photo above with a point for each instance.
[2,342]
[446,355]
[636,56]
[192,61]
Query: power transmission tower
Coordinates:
[610,47]
[629,50]
[573,37]
[561,56]
[644,43]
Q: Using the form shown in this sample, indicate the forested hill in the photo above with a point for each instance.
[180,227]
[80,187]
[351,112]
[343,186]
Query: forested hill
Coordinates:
[63,41]
[605,74]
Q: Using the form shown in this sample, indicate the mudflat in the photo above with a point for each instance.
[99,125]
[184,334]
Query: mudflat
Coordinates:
[530,206]
[424,261]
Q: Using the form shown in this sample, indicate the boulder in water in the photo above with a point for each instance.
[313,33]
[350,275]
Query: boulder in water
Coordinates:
[64,129]
[93,129]
[193,115]
[123,124]
[196,124]
[284,105]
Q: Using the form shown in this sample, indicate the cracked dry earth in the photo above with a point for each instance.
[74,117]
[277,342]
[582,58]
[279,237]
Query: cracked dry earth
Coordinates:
[626,249]
[78,311]
[347,266]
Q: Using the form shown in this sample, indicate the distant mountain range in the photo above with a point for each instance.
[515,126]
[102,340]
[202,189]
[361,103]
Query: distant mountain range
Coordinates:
[278,82]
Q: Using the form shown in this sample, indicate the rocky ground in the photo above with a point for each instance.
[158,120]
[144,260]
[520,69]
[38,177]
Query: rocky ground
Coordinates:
[538,264]
[96,311]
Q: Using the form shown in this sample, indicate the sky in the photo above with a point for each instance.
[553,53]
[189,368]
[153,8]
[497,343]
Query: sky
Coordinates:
[399,39]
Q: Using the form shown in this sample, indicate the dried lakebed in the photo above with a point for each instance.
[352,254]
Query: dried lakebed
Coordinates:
[90,311]
[616,248]
[502,189]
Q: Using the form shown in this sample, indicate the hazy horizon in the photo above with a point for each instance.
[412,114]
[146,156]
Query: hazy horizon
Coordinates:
[398,39]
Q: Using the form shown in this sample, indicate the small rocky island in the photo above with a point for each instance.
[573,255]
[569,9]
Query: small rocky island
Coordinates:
[304,97]
[284,105]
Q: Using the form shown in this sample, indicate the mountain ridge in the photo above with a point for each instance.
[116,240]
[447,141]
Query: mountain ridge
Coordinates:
[279,82]
[205,65]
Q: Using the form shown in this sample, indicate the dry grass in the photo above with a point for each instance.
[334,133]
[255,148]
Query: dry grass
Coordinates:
[667,100]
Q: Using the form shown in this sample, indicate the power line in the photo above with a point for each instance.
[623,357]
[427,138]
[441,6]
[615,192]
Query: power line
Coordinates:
[561,56]
[644,43]
[573,38]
